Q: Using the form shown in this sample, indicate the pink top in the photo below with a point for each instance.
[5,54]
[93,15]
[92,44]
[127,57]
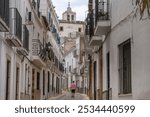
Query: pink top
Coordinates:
[73,86]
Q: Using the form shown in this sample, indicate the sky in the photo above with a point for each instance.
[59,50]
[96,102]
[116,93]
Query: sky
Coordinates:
[78,6]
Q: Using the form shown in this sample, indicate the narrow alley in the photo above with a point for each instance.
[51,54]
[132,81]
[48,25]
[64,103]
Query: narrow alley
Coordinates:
[67,96]
[106,53]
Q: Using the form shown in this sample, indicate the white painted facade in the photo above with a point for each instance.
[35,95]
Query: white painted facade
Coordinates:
[124,26]
[72,30]
[31,81]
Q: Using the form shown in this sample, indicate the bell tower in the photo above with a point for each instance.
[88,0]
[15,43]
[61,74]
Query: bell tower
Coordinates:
[69,15]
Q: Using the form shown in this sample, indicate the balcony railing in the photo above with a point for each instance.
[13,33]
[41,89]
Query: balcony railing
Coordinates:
[36,6]
[38,49]
[4,15]
[102,10]
[91,24]
[102,19]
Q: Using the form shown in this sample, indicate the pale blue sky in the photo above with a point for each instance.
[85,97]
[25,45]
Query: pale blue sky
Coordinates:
[78,6]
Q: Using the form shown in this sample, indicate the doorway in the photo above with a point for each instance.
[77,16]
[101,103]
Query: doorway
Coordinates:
[17,83]
[108,75]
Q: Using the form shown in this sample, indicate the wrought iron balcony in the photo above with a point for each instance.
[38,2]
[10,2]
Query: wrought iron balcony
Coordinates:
[39,53]
[4,15]
[102,18]
[14,36]
[93,40]
[36,6]
[90,24]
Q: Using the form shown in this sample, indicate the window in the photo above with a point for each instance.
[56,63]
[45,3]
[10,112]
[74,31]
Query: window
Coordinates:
[108,75]
[68,17]
[61,28]
[49,17]
[8,75]
[17,83]
[53,82]
[28,80]
[38,81]
[48,87]
[26,73]
[72,17]
[125,67]
[43,82]
[79,29]
[69,68]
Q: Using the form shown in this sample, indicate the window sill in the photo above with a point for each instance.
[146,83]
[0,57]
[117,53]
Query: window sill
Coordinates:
[125,95]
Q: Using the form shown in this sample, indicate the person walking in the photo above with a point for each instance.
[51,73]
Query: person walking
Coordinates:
[73,89]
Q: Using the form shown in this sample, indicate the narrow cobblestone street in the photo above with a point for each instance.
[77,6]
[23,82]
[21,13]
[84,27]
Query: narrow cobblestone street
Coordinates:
[67,96]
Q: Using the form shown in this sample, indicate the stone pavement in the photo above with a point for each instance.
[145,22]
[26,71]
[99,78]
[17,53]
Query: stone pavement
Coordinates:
[67,96]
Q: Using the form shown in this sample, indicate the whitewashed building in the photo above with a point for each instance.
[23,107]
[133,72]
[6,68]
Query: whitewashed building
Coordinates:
[121,59]
[72,34]
[30,58]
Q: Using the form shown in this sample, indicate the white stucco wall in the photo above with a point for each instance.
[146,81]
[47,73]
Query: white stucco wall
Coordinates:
[138,32]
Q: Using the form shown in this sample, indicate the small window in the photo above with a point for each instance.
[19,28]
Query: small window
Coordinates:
[68,17]
[72,17]
[79,29]
[38,81]
[61,28]
[125,67]
[69,68]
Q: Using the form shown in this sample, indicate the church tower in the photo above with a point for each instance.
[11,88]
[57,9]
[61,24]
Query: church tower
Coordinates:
[69,15]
